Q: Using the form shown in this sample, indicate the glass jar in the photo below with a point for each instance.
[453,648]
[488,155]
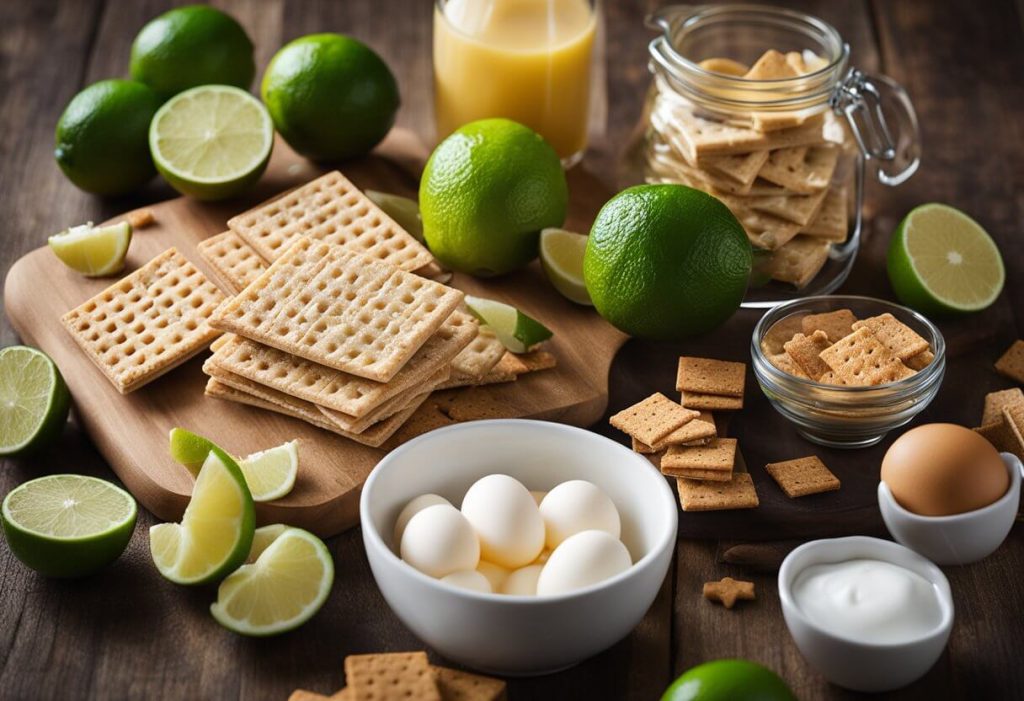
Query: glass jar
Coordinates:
[785,146]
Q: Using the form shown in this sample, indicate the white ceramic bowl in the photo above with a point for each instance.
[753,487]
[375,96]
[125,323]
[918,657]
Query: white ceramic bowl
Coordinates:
[516,635]
[961,538]
[855,664]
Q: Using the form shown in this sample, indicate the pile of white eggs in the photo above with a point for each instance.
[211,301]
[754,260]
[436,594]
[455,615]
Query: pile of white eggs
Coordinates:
[506,539]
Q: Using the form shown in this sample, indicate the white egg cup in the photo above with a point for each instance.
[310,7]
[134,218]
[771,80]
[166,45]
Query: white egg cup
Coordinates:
[855,664]
[961,538]
[520,635]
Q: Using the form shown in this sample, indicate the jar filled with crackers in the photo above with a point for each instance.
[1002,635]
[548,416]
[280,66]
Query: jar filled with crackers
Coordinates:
[760,107]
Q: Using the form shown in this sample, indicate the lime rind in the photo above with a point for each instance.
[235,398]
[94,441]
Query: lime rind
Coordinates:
[189,449]
[35,400]
[94,251]
[518,332]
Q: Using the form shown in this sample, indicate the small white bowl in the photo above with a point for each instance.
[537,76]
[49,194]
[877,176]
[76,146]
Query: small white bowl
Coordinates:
[855,664]
[961,538]
[519,635]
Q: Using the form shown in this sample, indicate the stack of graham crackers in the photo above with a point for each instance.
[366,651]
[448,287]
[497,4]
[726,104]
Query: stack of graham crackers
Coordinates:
[776,171]
[401,676]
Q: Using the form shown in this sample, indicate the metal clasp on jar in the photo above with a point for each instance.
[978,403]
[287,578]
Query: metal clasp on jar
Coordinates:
[893,142]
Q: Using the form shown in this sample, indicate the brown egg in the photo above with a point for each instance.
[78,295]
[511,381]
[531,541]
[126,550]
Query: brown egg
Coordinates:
[944,469]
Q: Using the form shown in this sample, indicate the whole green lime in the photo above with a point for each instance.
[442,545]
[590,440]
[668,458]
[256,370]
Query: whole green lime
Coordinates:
[486,193]
[666,262]
[102,139]
[331,97]
[728,680]
[190,46]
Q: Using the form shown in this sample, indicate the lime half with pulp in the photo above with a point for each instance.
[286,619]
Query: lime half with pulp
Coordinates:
[211,142]
[68,525]
[34,400]
[517,331]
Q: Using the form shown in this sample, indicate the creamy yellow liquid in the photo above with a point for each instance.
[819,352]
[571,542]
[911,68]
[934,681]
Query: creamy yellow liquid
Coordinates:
[526,60]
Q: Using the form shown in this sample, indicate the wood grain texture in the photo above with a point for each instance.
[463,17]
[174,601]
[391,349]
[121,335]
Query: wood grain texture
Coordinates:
[129,634]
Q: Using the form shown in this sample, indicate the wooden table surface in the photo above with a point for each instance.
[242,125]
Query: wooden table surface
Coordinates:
[126,633]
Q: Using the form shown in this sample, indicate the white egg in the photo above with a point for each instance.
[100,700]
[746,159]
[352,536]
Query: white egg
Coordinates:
[538,495]
[522,582]
[412,508]
[577,506]
[468,579]
[581,560]
[439,540]
[507,520]
[496,574]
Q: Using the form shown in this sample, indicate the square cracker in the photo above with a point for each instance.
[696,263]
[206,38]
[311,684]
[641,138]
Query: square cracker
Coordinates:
[798,261]
[699,430]
[720,455]
[1011,363]
[807,170]
[799,209]
[396,676]
[1002,437]
[901,340]
[831,223]
[737,493]
[920,361]
[456,685]
[480,356]
[334,389]
[333,210]
[836,324]
[710,402]
[995,402]
[861,359]
[522,363]
[765,230]
[652,419]
[702,137]
[234,262]
[147,323]
[742,168]
[803,476]
[709,376]
[696,474]
[805,351]
[340,309]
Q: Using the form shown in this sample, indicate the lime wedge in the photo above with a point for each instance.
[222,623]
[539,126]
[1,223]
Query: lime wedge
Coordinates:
[262,538]
[281,590]
[68,525]
[561,254]
[94,251]
[216,532]
[942,262]
[34,400]
[211,142]
[516,331]
[189,449]
[270,473]
[404,211]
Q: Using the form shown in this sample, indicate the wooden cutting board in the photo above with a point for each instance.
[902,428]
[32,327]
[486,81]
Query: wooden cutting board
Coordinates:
[131,431]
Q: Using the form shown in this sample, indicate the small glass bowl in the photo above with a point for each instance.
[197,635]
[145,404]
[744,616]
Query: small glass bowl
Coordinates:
[839,416]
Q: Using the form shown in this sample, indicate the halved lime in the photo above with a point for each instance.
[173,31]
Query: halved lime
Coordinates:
[516,331]
[405,211]
[216,532]
[561,254]
[281,590]
[34,400]
[94,251]
[189,449]
[270,473]
[68,525]
[211,142]
[942,261]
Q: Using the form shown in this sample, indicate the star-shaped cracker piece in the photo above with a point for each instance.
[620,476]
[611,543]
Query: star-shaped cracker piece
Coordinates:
[728,591]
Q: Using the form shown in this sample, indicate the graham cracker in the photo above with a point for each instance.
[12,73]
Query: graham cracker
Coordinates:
[920,361]
[709,376]
[743,167]
[1002,437]
[901,340]
[642,448]
[830,378]
[861,359]
[522,363]
[831,223]
[711,402]
[233,261]
[395,676]
[456,685]
[702,137]
[719,455]
[329,209]
[799,209]
[766,231]
[1013,418]
[652,419]
[704,495]
[995,402]
[1011,363]
[836,324]
[785,363]
[803,476]
[772,343]
[728,591]
[697,431]
[480,356]
[805,352]
[341,391]
[147,323]
[810,173]
[339,309]
[696,474]
[798,261]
